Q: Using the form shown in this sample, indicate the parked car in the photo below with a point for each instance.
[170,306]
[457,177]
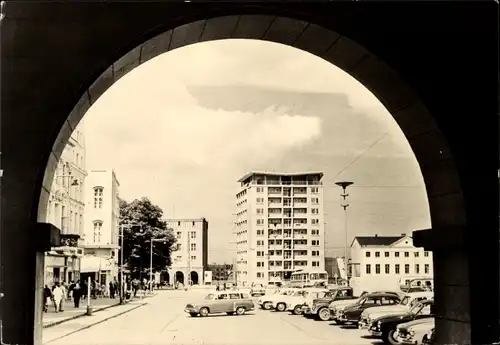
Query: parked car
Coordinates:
[295,303]
[279,302]
[430,337]
[318,308]
[352,313]
[408,301]
[257,290]
[385,327]
[229,302]
[266,301]
[413,332]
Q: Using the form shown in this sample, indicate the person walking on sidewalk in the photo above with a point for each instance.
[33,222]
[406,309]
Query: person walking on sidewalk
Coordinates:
[58,295]
[47,296]
[77,293]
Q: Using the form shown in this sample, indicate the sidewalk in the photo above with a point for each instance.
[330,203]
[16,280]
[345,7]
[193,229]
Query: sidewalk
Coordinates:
[51,318]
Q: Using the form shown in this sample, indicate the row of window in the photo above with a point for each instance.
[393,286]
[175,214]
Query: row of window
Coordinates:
[192,234]
[192,246]
[314,221]
[179,257]
[396,254]
[387,269]
[278,211]
[313,190]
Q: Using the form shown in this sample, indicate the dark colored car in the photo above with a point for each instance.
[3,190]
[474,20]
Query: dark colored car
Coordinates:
[319,307]
[385,327]
[351,314]
[429,339]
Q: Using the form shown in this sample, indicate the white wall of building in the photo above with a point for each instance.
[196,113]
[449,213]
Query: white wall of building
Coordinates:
[191,249]
[402,259]
[277,233]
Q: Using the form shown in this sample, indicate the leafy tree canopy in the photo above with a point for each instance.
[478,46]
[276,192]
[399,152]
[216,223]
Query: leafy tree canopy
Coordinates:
[142,222]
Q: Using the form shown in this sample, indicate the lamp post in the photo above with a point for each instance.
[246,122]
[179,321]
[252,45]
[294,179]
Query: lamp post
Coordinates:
[151,261]
[120,279]
[345,205]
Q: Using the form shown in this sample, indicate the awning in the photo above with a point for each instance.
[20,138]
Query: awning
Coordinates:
[91,263]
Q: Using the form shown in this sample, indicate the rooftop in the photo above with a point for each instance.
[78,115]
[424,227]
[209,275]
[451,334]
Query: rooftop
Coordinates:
[365,241]
[273,173]
[185,220]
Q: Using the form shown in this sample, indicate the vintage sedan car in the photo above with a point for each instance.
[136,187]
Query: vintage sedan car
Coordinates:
[352,313]
[230,302]
[337,307]
[385,327]
[430,337]
[279,302]
[295,303]
[257,290]
[266,301]
[318,308]
[413,332]
[408,301]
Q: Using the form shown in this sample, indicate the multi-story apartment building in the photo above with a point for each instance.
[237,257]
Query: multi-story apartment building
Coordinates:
[101,226]
[190,255]
[382,262]
[220,272]
[279,226]
[66,210]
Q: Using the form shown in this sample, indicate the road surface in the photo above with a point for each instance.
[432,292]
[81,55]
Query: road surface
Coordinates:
[163,321]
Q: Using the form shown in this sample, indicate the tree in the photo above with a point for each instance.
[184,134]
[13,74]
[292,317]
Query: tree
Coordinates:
[141,221]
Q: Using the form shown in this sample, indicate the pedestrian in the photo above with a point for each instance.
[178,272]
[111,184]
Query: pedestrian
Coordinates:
[58,295]
[77,294]
[47,296]
[111,290]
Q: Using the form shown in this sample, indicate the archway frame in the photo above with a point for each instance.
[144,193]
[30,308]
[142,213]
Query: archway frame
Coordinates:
[444,192]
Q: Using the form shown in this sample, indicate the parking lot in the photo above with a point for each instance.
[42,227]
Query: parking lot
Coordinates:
[163,321]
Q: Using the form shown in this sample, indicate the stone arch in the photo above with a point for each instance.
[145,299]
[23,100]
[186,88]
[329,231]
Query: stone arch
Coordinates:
[179,277]
[194,277]
[444,191]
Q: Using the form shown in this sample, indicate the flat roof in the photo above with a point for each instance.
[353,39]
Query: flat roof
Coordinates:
[185,220]
[272,173]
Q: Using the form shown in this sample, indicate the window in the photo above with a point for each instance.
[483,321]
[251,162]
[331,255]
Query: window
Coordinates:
[368,269]
[314,211]
[386,254]
[407,254]
[260,201]
[193,224]
[193,234]
[315,242]
[426,254]
[98,197]
[377,254]
[315,201]
[193,247]
[260,263]
[260,232]
[260,243]
[97,231]
[193,257]
[260,274]
[179,234]
[396,254]
[396,268]
[407,269]
[387,269]
[315,263]
[388,301]
[260,189]
[314,190]
[315,253]
[260,211]
[178,223]
[260,253]
[315,232]
[416,254]
[426,268]
[314,221]
[417,269]
[234,296]
[377,269]
[260,221]
[367,254]
[222,296]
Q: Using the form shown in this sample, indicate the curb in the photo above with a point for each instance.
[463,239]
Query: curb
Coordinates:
[97,322]
[55,323]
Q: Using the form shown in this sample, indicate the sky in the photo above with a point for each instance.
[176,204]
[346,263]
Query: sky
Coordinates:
[183,127]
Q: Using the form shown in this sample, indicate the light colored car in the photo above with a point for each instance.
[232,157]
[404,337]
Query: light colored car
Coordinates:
[266,301]
[230,302]
[278,303]
[295,303]
[407,302]
[257,290]
[413,332]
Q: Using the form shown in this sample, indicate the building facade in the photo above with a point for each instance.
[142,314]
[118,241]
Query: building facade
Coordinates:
[221,272]
[279,227]
[66,210]
[190,255]
[102,226]
[382,262]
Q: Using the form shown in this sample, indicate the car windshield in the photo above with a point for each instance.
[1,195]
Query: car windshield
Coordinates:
[405,300]
[421,308]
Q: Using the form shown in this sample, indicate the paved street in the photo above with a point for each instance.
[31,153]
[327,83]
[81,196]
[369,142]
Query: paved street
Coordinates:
[163,321]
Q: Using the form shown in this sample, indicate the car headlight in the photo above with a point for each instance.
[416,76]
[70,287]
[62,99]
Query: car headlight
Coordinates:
[378,324]
[412,333]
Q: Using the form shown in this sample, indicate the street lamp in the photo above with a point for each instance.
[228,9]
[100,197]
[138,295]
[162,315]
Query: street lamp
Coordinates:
[151,260]
[122,285]
[345,205]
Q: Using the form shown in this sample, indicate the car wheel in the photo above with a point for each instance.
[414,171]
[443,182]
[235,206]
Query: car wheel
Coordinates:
[240,310]
[297,310]
[230,313]
[390,337]
[324,314]
[281,307]
[193,314]
[267,306]
[204,312]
